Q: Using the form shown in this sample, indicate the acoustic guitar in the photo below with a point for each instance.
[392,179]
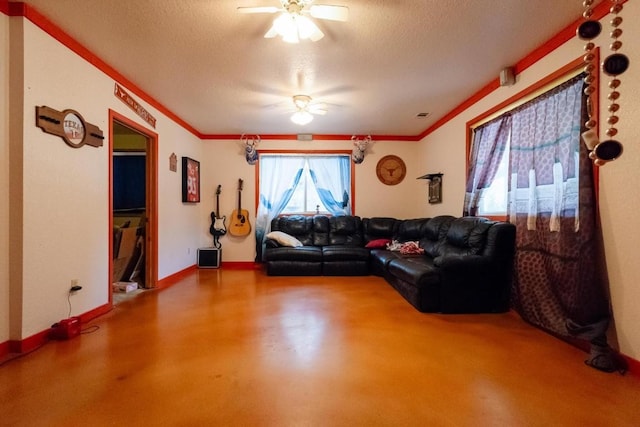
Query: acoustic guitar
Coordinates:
[240,217]
[218,228]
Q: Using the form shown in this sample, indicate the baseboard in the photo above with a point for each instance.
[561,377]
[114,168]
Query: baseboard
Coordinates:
[175,277]
[633,365]
[39,339]
[241,265]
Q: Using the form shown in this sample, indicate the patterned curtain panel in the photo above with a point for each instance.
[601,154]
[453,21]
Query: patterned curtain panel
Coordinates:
[488,146]
[558,285]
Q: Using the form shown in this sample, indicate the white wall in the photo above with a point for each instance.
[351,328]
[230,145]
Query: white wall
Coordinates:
[225,164]
[619,204]
[4,178]
[619,200]
[65,190]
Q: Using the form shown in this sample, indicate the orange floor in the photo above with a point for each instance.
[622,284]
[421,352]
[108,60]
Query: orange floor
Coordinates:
[237,348]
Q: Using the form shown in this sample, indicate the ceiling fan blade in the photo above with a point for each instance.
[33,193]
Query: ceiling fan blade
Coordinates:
[264,9]
[333,13]
[319,109]
[273,31]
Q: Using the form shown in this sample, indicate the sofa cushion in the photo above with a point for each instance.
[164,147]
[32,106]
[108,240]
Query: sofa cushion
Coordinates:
[379,227]
[466,236]
[411,229]
[344,253]
[298,226]
[345,230]
[283,239]
[300,253]
[320,230]
[417,270]
[434,233]
[378,244]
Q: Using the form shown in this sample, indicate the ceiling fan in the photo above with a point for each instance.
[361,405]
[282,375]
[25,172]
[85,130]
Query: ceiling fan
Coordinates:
[305,109]
[293,25]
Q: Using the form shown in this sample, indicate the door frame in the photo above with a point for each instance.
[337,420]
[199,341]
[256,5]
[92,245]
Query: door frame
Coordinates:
[151,178]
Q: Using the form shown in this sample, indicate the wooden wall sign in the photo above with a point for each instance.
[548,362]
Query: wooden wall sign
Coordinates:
[124,96]
[70,126]
[173,162]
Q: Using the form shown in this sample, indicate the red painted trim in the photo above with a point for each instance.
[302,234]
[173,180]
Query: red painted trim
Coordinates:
[27,11]
[316,137]
[566,34]
[633,365]
[175,277]
[241,265]
[29,344]
[96,312]
[569,32]
[4,349]
[152,208]
[4,8]
[39,339]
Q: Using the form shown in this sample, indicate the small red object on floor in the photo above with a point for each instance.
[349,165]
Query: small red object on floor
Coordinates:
[66,329]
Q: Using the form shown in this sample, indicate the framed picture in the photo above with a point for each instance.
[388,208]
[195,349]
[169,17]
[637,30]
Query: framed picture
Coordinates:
[190,180]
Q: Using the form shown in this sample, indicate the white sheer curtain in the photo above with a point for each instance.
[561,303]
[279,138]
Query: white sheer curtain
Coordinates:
[279,176]
[334,193]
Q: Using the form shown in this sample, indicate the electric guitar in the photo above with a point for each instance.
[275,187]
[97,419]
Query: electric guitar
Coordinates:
[240,217]
[217,223]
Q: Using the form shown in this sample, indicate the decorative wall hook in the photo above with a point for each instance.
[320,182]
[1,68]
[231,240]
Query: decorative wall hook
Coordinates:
[435,186]
[360,146]
[250,150]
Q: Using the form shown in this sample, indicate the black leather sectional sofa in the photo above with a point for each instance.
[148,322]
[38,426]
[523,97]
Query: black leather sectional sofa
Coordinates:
[445,264]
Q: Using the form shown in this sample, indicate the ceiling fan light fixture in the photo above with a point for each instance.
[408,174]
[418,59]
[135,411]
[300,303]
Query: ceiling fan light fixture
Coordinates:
[301,101]
[301,117]
[293,27]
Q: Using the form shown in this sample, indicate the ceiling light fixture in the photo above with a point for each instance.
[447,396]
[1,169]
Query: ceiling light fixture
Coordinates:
[304,109]
[302,117]
[292,26]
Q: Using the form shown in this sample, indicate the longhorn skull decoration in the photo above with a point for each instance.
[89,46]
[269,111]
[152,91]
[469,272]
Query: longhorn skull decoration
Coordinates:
[250,151]
[359,147]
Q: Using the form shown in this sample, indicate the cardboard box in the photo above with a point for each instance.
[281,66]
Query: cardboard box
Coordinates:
[125,286]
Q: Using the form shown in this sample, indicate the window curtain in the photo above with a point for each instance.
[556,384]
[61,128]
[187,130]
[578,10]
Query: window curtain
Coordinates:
[335,194]
[279,176]
[489,143]
[558,285]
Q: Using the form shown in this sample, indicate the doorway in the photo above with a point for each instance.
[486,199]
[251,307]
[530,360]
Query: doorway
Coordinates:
[132,204]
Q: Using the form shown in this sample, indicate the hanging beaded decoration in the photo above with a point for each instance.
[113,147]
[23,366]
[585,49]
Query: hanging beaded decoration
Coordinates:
[614,65]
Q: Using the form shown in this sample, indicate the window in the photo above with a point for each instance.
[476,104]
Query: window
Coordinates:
[493,200]
[306,183]
[491,154]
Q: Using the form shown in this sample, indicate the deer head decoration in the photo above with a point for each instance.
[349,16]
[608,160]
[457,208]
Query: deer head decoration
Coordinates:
[250,144]
[359,147]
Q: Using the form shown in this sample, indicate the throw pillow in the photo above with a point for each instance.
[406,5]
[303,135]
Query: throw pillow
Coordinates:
[378,243]
[284,239]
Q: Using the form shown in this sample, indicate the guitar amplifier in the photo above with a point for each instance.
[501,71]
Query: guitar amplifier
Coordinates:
[209,257]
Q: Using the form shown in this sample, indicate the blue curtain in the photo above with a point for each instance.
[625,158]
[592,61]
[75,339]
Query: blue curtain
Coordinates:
[279,176]
[335,194]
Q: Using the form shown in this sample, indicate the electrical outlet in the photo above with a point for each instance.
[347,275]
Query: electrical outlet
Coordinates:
[74,286]
[188,250]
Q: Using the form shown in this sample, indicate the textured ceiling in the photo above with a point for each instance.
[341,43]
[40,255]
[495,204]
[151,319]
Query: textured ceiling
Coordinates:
[393,59]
